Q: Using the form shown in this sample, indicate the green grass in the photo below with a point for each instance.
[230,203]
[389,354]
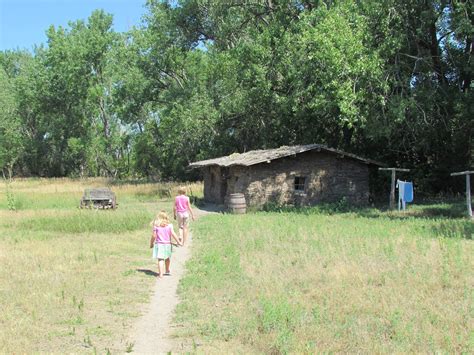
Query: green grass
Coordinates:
[321,280]
[87,222]
[326,279]
[72,280]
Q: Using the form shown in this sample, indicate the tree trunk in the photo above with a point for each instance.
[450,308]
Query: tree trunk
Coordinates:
[466,75]
[435,54]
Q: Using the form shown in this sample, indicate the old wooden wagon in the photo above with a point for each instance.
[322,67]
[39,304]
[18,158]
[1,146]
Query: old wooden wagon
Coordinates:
[101,197]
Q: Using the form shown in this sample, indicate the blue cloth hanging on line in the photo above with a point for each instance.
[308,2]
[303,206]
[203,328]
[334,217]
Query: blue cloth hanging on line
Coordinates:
[405,193]
[408,191]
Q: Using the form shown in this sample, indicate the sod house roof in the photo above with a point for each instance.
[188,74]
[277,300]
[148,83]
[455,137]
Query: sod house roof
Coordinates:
[261,156]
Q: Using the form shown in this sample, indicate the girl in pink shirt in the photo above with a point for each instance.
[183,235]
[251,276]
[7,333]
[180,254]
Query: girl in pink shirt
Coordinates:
[182,209]
[161,242]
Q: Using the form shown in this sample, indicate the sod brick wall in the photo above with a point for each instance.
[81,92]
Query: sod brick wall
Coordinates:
[327,177]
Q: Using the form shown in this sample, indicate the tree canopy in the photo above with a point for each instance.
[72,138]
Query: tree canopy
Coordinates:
[388,79]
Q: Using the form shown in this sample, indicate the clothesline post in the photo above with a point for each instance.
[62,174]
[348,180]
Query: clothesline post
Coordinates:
[392,188]
[468,189]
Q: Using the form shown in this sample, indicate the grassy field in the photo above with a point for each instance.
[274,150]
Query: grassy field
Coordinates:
[304,281]
[317,280]
[71,280]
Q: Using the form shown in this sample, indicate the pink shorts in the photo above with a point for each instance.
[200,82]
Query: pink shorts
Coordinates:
[183,219]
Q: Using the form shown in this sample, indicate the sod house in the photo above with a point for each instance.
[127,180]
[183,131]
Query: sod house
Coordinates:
[299,175]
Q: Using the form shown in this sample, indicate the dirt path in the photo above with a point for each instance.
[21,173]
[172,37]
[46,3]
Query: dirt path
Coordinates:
[151,333]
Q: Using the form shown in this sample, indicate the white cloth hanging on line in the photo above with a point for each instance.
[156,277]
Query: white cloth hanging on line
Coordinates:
[405,193]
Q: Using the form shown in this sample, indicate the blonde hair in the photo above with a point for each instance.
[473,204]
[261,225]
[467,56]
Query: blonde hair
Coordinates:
[182,190]
[161,219]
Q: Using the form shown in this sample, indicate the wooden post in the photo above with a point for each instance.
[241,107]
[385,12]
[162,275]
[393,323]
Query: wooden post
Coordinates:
[392,191]
[392,188]
[468,189]
[468,194]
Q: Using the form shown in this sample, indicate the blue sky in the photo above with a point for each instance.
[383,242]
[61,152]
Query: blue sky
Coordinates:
[23,23]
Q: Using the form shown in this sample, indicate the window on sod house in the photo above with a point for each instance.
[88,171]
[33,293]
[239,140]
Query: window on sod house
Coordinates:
[299,183]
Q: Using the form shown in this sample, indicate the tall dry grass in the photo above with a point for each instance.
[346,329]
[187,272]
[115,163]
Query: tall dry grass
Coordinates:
[71,280]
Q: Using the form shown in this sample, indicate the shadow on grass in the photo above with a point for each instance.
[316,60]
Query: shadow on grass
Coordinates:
[209,207]
[422,212]
[148,272]
[200,202]
[427,211]
[452,210]
[455,229]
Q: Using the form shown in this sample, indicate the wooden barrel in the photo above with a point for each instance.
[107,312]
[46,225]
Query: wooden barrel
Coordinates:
[237,203]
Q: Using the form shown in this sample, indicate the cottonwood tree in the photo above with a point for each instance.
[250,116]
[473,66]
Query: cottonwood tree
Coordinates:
[11,139]
[388,79]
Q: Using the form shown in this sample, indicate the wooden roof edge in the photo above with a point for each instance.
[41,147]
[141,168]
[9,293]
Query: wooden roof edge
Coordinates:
[213,161]
[196,165]
[304,148]
[354,156]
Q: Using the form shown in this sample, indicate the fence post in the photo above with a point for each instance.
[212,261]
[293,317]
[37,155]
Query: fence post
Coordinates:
[468,189]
